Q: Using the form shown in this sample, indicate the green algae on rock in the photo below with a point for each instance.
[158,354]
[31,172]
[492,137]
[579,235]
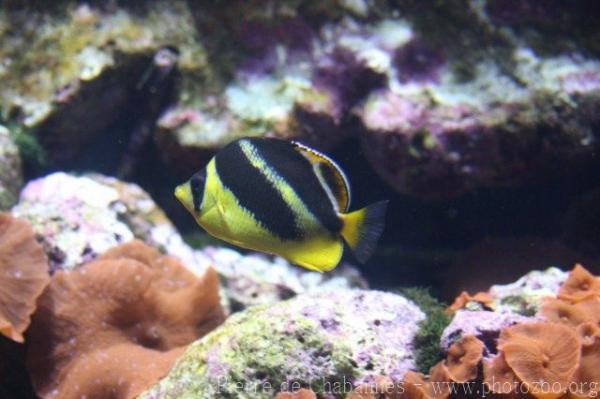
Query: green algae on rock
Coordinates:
[430,330]
[327,340]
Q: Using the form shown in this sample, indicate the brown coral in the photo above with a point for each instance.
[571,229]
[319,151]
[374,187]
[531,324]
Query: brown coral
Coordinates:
[461,301]
[498,377]
[544,356]
[559,311]
[299,394]
[23,275]
[436,386]
[586,381]
[463,359]
[589,333]
[573,314]
[113,327]
[580,285]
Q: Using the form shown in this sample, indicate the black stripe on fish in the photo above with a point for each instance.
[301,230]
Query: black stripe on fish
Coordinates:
[197,183]
[255,193]
[298,173]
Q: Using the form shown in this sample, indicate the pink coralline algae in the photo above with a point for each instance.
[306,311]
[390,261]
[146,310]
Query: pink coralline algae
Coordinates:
[444,146]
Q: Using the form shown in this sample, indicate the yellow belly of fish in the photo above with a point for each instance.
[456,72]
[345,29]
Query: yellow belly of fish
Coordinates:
[319,250]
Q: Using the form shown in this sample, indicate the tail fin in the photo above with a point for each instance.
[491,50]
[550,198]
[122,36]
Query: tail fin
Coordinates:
[362,229]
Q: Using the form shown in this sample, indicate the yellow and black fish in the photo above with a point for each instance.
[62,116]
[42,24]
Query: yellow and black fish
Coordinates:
[283,198]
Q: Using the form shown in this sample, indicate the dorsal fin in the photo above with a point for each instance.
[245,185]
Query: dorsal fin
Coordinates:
[330,175]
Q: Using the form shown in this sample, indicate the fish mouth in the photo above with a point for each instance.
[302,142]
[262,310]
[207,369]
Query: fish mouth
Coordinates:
[181,193]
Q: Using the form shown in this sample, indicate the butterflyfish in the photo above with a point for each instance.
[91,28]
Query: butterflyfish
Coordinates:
[282,198]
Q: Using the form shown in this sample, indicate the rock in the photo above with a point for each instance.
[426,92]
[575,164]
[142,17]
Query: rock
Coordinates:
[73,218]
[435,132]
[72,71]
[525,296]
[11,177]
[484,325]
[149,223]
[251,106]
[257,279]
[439,110]
[294,81]
[79,218]
[342,337]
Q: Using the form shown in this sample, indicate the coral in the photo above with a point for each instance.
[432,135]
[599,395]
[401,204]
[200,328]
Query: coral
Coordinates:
[114,326]
[542,352]
[417,386]
[463,358]
[580,285]
[299,394]
[323,341]
[588,333]
[522,324]
[24,273]
[11,175]
[498,377]
[571,314]
[552,355]
[578,300]
[256,280]
[479,301]
[587,375]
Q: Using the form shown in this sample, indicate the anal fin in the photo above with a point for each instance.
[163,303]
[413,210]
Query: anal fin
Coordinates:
[321,256]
